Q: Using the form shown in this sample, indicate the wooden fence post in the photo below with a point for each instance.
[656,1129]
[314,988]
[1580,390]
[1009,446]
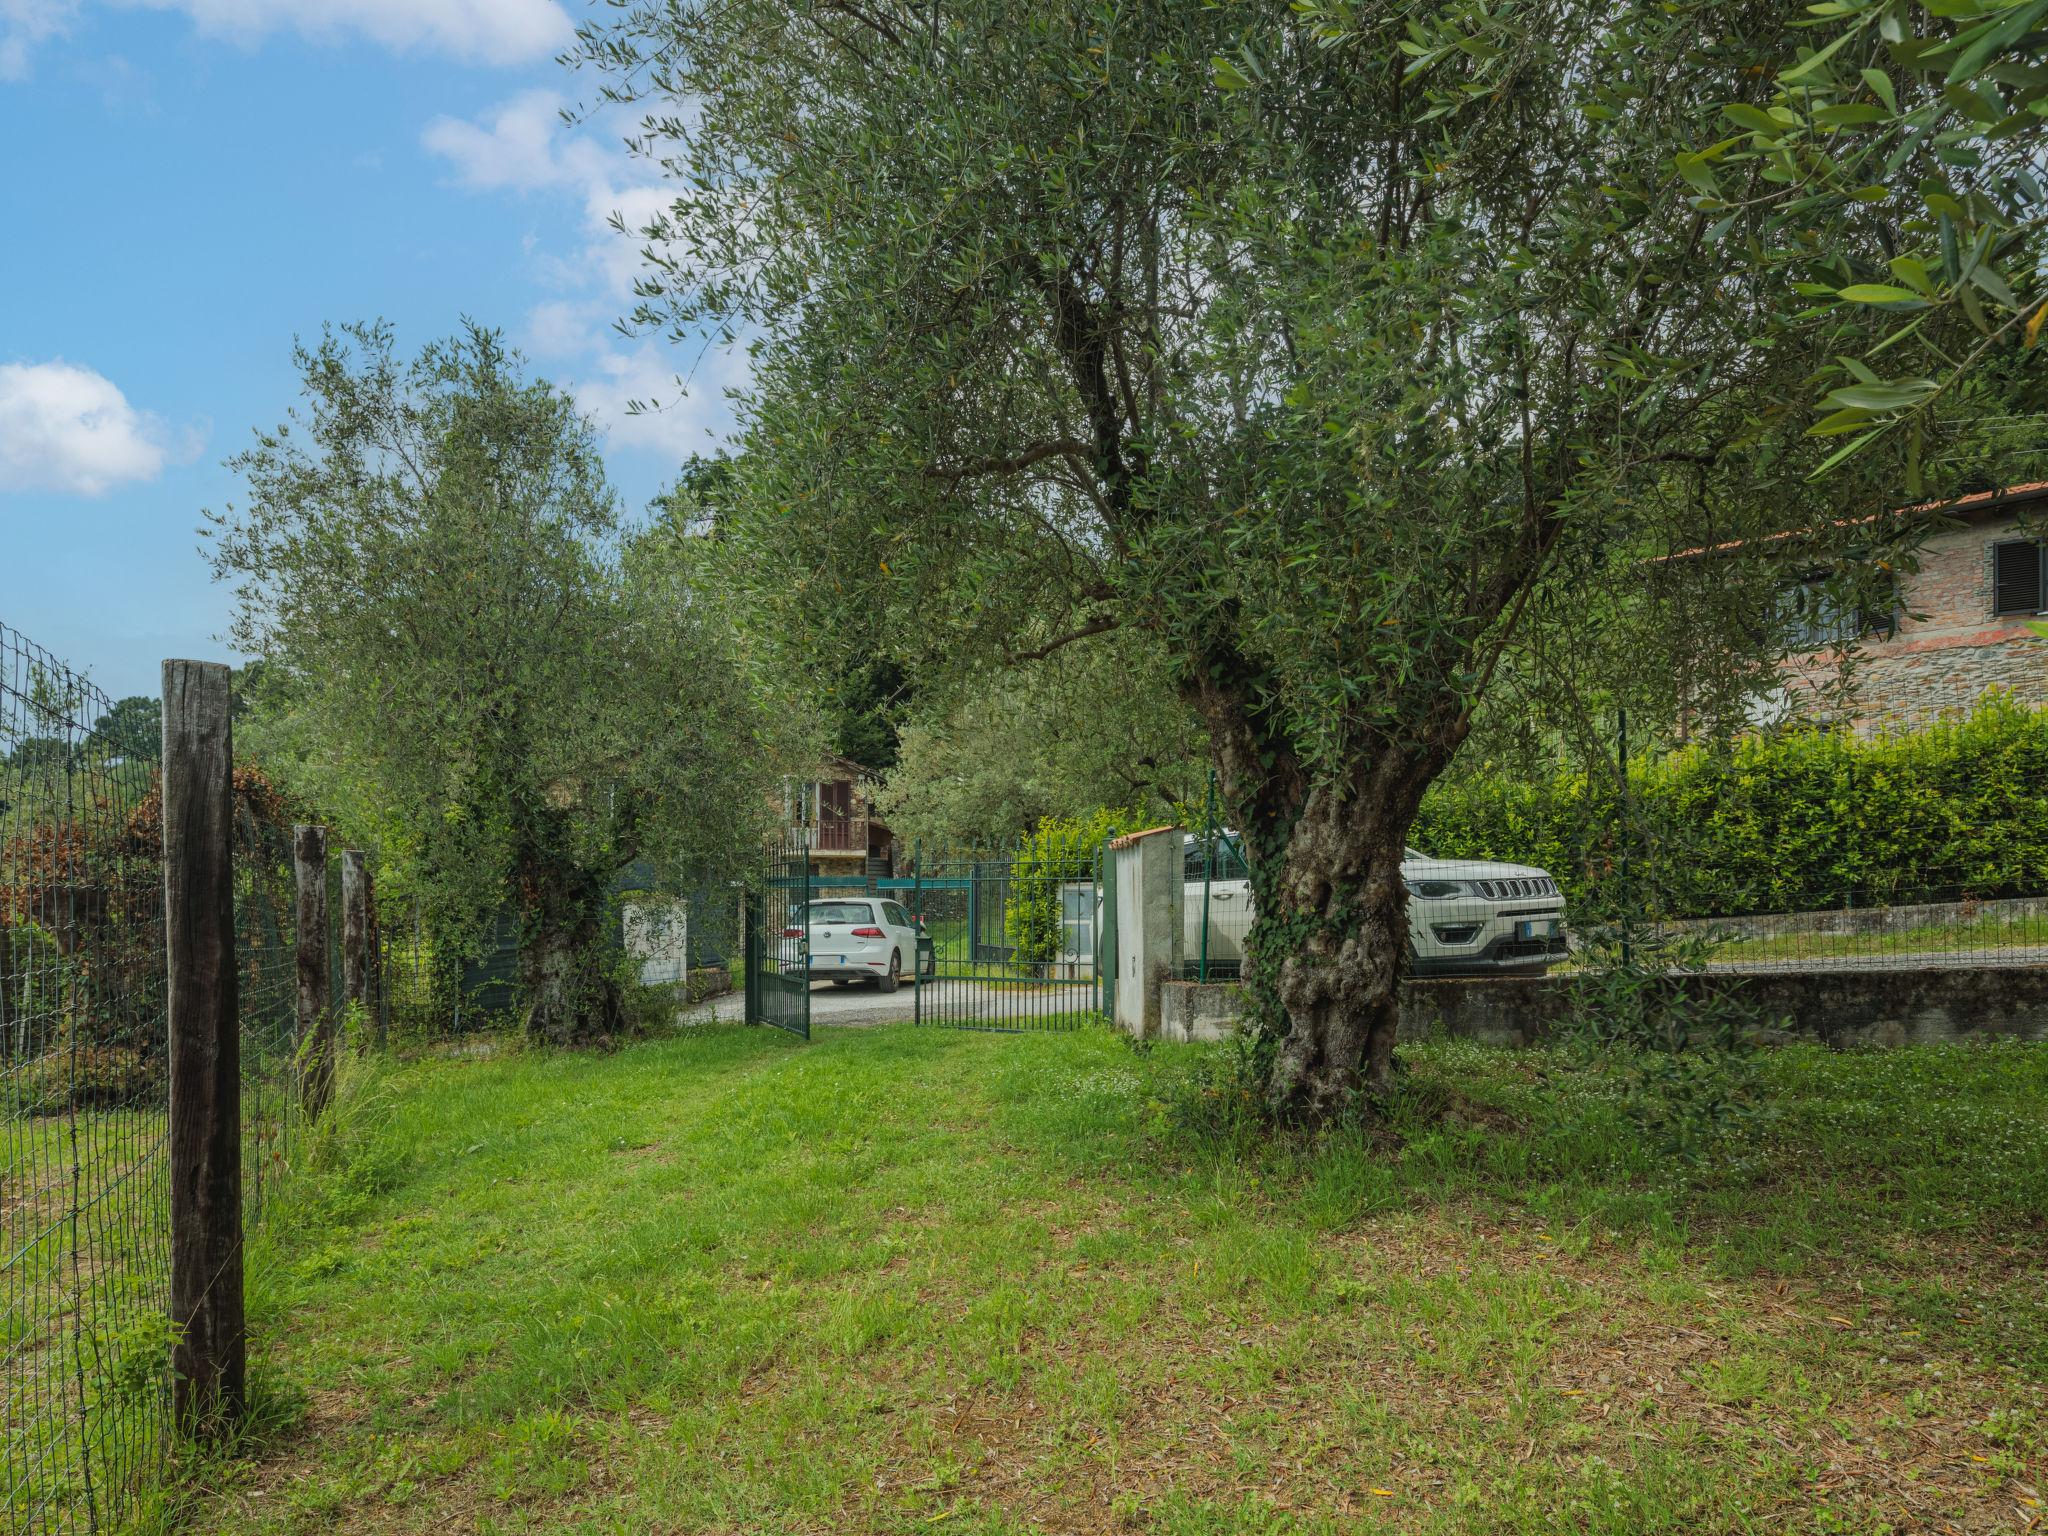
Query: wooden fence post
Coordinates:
[355,939]
[316,996]
[210,1357]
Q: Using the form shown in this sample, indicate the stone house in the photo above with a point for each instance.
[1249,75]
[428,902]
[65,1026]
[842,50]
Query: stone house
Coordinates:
[836,809]
[1957,626]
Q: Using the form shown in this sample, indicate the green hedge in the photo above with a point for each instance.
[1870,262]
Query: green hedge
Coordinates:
[1781,822]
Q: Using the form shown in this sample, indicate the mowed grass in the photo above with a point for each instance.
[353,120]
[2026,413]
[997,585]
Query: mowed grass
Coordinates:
[913,1281]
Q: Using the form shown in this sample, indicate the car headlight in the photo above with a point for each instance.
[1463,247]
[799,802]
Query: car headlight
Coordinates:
[1438,890]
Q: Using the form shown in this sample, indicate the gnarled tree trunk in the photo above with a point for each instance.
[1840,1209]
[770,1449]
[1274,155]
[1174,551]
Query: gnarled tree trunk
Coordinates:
[1329,945]
[571,989]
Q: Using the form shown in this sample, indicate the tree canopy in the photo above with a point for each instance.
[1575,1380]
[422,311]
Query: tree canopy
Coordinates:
[512,695]
[1352,358]
[990,755]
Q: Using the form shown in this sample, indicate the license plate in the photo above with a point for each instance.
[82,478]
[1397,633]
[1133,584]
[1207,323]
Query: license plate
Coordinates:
[1537,928]
[832,960]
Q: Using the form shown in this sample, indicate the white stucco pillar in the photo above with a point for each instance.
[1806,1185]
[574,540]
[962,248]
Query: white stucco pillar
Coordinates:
[1150,904]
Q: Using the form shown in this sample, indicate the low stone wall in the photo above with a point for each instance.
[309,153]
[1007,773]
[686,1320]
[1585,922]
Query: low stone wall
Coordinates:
[707,981]
[1920,1006]
[1199,1010]
[1860,920]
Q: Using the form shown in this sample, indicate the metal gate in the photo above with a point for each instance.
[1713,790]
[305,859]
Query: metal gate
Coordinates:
[1009,941]
[777,943]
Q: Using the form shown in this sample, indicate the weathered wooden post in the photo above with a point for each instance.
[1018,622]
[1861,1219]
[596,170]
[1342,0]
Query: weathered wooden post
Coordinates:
[209,1360]
[355,939]
[316,997]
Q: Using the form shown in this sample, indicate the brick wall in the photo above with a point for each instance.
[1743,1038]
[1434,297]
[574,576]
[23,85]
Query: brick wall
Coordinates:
[1942,662]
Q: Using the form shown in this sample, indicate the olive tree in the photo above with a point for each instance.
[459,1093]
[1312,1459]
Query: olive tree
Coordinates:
[1335,357]
[479,660]
[990,754]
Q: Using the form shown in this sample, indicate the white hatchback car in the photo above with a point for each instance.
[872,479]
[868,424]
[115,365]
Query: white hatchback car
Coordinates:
[844,939]
[1465,916]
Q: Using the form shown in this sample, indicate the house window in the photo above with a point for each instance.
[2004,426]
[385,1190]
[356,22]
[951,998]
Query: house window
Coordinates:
[1819,614]
[2019,576]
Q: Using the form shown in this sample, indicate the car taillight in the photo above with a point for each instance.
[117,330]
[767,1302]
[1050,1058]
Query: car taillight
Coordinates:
[792,933]
[867,933]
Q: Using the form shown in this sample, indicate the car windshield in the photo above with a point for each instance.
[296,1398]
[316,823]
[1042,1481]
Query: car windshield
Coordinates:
[1413,853]
[840,912]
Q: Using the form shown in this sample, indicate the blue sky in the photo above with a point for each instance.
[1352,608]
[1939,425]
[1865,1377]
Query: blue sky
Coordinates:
[189,184]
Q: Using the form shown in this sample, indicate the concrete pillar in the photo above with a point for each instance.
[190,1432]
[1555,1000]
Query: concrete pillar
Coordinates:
[1150,942]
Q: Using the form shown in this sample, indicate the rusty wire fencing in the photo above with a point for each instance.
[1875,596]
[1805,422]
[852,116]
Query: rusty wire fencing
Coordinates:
[85,1235]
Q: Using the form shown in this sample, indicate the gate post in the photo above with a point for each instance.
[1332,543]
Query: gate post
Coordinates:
[1105,927]
[750,951]
[805,977]
[1150,939]
[209,1359]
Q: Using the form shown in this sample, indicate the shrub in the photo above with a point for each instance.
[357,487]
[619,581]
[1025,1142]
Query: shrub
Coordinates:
[1782,821]
[1058,850]
[83,1075]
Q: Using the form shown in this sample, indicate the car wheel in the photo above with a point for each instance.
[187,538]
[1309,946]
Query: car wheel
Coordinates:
[891,979]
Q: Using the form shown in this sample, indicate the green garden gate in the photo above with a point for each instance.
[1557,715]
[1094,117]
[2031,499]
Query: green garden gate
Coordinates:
[777,941]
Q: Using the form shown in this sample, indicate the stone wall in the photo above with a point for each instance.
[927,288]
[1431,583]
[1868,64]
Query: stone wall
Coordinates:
[1922,1006]
[1199,1010]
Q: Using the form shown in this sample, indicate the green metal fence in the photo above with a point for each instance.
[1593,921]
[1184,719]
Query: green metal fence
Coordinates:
[777,946]
[1010,940]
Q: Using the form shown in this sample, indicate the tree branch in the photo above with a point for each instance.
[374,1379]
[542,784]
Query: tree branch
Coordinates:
[1062,447]
[1097,626]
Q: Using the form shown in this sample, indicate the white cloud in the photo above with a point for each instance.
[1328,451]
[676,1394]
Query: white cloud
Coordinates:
[523,145]
[519,144]
[67,428]
[476,31]
[24,24]
[481,31]
[682,396]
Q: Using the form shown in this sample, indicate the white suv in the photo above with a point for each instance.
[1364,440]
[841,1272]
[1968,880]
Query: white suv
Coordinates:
[1465,916]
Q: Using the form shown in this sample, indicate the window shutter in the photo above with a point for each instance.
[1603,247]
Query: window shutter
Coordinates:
[2016,577]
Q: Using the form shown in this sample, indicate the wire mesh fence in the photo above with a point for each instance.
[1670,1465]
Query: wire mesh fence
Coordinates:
[1794,850]
[85,1239]
[273,1104]
[82,1040]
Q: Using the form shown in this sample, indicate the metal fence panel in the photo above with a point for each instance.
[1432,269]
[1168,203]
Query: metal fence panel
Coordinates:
[1011,941]
[778,982]
[84,1239]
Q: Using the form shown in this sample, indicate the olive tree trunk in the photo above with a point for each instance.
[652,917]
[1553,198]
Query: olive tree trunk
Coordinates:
[1329,943]
[567,974]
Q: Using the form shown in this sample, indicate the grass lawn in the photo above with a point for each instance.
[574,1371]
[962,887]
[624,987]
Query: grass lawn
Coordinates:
[913,1281]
